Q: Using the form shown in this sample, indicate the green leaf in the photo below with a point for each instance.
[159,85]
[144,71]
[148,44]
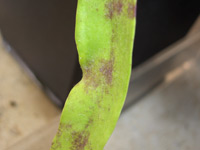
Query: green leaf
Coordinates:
[104,36]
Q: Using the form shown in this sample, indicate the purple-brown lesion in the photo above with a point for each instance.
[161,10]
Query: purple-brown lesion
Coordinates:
[91,78]
[107,70]
[114,7]
[80,140]
[99,75]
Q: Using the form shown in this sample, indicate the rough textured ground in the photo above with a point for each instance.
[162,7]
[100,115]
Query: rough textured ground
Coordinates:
[23,106]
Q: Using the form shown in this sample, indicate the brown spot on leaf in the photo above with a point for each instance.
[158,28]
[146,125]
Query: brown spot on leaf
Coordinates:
[113,7]
[90,77]
[118,7]
[107,69]
[80,140]
[131,10]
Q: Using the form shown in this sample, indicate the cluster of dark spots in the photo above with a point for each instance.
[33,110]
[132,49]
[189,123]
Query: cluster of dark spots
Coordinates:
[131,10]
[118,7]
[113,7]
[107,68]
[91,79]
[80,140]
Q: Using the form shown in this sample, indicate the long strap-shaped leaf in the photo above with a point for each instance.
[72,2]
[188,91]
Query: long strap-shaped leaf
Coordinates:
[104,37]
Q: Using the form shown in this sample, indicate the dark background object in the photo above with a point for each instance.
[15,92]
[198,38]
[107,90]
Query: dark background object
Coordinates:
[161,23]
[42,34]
